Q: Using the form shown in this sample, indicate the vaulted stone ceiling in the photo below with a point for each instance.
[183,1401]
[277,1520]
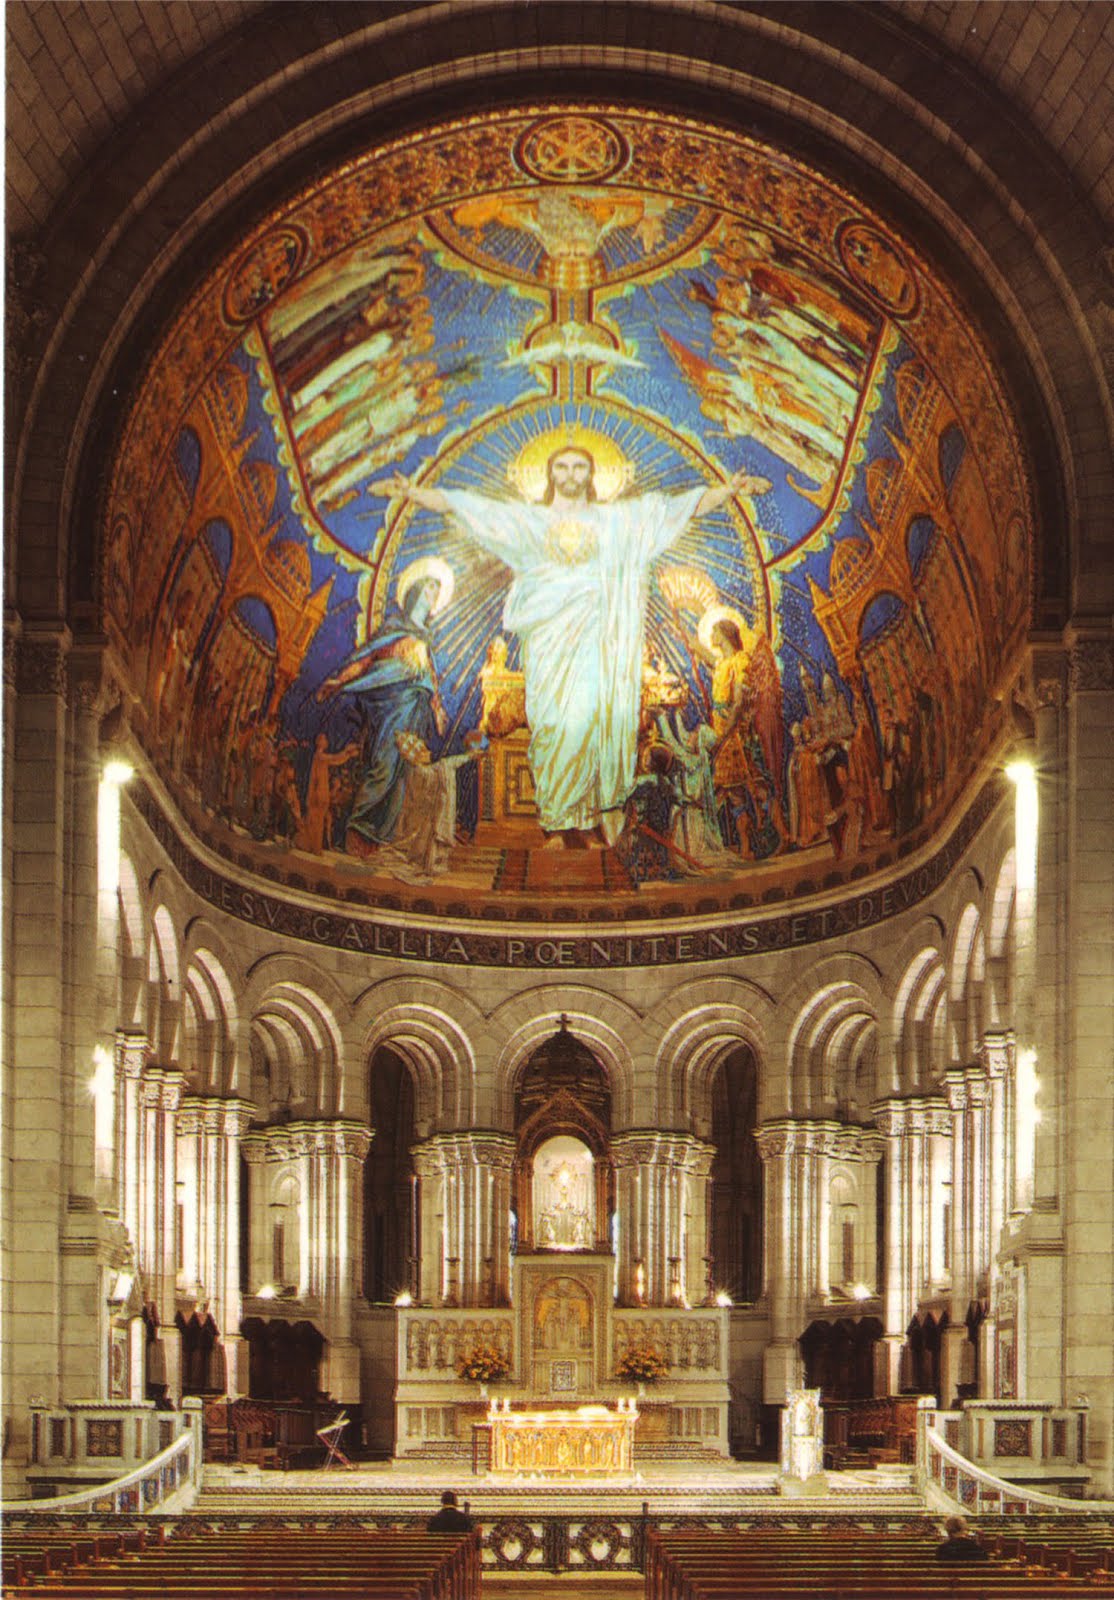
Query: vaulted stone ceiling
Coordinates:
[76,71]
[889,490]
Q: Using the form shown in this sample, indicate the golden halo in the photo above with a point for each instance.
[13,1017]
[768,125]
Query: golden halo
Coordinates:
[613,471]
[718,613]
[418,571]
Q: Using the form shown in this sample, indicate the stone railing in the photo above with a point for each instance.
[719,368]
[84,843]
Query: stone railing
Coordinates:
[430,1342]
[979,1493]
[1023,1441]
[169,1481]
[694,1343]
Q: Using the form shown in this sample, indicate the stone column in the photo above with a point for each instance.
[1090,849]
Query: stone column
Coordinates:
[493,1158]
[861,1148]
[796,1157]
[164,1276]
[656,1206]
[255,1150]
[781,1362]
[907,1126]
[697,1239]
[131,1059]
[431,1271]
[34,1112]
[236,1117]
[343,1145]
[209,1132]
[1082,1101]
[632,1155]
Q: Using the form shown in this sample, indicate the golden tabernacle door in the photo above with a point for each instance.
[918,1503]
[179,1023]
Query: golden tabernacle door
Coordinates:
[562,1345]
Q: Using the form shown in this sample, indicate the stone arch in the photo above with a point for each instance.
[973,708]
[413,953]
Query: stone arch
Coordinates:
[606,1025]
[700,1021]
[209,1020]
[131,945]
[919,961]
[1001,922]
[421,1020]
[959,959]
[814,1016]
[164,988]
[295,1010]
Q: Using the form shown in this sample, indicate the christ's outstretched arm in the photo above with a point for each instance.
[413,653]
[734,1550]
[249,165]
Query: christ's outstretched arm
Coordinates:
[397,487]
[719,493]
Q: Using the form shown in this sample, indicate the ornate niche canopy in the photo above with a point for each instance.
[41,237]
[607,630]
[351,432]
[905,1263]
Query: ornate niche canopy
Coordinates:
[750,648]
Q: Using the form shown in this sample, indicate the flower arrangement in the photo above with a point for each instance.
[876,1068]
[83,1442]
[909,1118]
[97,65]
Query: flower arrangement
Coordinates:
[484,1363]
[642,1363]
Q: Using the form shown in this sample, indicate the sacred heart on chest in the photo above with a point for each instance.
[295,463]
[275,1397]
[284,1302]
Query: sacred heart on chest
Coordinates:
[569,542]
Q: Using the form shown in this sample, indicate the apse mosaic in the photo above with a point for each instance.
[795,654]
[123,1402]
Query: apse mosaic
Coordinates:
[568,505]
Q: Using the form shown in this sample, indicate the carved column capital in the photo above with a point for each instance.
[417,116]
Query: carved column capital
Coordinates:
[173,1086]
[493,1150]
[930,1114]
[850,1143]
[253,1148]
[890,1117]
[634,1149]
[189,1114]
[150,1090]
[917,1115]
[352,1140]
[955,1088]
[236,1117]
[997,1052]
[782,1137]
[978,1087]
[132,1050]
[427,1163]
[1049,671]
[87,687]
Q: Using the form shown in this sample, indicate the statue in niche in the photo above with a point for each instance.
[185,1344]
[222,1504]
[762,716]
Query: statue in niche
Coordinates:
[563,1198]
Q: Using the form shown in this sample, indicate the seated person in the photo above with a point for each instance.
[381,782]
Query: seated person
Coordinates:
[959,1546]
[450,1518]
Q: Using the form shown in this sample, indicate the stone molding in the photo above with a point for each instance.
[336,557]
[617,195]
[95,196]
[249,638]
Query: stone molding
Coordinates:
[483,1148]
[1092,665]
[286,1142]
[788,1136]
[644,1148]
[918,1115]
[40,662]
[858,1144]
[200,1114]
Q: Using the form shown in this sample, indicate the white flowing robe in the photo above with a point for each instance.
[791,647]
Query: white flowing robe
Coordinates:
[578,606]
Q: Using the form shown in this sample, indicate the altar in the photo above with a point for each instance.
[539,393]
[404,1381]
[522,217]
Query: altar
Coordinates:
[588,1441]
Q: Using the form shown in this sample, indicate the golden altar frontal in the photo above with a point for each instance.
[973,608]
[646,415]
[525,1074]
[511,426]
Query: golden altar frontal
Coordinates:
[584,1442]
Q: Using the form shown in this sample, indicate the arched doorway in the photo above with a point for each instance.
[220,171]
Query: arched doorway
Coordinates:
[563,1186]
[390,1221]
[735,1200]
[839,1357]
